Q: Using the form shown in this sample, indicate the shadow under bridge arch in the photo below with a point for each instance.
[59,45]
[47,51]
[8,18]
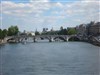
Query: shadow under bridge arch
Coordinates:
[59,38]
[74,38]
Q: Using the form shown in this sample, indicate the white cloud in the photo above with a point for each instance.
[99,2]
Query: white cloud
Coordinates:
[58,4]
[34,11]
[12,8]
[39,6]
[39,0]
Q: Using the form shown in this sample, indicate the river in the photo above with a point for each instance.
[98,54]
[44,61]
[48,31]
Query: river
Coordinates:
[44,58]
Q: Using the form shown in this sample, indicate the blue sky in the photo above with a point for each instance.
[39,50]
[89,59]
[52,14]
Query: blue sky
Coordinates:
[37,14]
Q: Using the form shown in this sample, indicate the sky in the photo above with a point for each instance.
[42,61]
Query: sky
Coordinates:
[30,15]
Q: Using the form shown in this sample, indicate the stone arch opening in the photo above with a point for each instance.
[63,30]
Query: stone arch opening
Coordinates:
[10,39]
[43,38]
[61,38]
[74,38]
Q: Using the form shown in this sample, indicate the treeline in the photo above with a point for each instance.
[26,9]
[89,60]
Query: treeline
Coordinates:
[68,31]
[13,30]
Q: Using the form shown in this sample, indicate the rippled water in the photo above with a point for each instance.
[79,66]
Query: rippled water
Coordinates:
[58,58]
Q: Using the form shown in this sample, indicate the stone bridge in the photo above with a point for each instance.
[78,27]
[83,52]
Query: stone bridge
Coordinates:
[55,37]
[50,38]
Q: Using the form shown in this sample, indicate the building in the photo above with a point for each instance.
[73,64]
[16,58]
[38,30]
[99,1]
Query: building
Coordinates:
[81,30]
[94,28]
[45,30]
[88,29]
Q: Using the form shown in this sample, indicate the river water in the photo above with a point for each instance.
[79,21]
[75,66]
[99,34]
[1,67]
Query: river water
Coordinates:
[44,58]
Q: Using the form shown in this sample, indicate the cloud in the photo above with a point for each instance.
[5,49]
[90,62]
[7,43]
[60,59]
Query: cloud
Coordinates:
[38,7]
[39,0]
[20,9]
[58,4]
[44,12]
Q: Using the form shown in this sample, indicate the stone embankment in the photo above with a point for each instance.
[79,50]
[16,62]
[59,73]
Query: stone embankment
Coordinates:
[95,41]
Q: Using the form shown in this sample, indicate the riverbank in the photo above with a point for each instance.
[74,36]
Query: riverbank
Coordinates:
[95,40]
[95,43]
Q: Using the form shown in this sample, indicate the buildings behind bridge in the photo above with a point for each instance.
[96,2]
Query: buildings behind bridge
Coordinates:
[90,29]
[84,30]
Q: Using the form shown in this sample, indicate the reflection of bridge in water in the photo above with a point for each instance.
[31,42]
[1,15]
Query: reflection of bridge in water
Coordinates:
[50,38]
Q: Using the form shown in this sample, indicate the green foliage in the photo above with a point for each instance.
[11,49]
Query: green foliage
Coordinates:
[63,32]
[3,33]
[50,33]
[37,33]
[72,31]
[13,30]
[0,33]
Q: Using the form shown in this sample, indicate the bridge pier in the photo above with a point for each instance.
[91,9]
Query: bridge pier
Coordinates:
[67,39]
[50,39]
[34,39]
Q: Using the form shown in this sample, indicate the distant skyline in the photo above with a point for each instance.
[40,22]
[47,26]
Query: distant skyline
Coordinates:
[30,15]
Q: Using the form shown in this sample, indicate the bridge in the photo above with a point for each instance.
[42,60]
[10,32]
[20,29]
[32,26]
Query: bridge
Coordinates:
[50,38]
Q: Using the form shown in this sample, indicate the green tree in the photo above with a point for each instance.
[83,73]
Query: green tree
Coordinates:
[16,30]
[72,31]
[63,32]
[13,30]
[37,33]
[0,33]
[4,33]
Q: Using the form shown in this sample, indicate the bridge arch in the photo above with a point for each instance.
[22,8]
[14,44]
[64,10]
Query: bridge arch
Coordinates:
[42,38]
[45,38]
[73,38]
[60,37]
[9,39]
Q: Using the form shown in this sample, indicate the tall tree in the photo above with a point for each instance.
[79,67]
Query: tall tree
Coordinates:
[0,33]
[61,28]
[72,31]
[4,33]
[37,33]
[13,30]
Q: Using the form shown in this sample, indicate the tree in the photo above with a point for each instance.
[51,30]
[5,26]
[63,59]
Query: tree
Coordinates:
[16,30]
[61,28]
[37,33]
[13,30]
[63,32]
[0,33]
[72,31]
[4,33]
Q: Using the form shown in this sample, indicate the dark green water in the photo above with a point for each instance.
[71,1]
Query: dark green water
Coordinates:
[58,58]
